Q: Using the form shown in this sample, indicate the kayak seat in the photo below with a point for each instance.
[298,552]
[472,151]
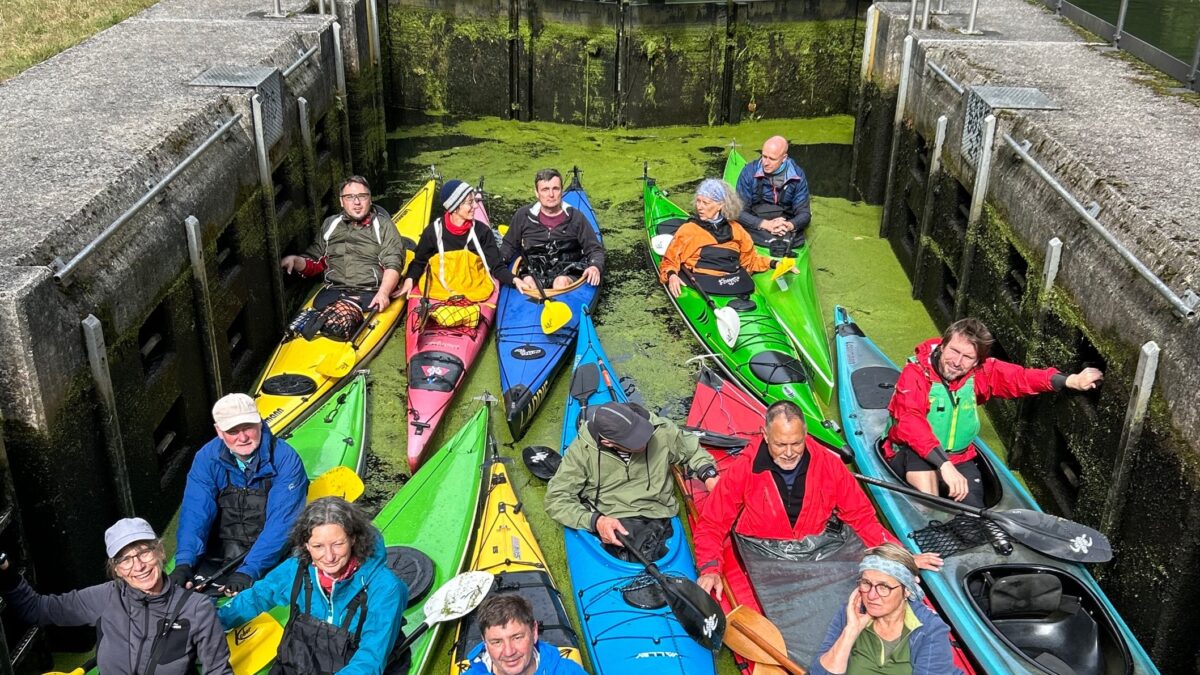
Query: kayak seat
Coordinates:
[1062,636]
[873,386]
[775,367]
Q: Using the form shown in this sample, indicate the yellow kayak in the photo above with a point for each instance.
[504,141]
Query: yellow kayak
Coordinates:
[505,546]
[302,373]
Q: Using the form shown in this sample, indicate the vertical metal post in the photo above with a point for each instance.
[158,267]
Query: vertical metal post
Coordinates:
[309,150]
[970,29]
[373,19]
[941,7]
[93,338]
[978,195]
[276,10]
[1120,23]
[935,165]
[912,15]
[868,50]
[320,6]
[901,102]
[1131,431]
[195,239]
[1049,273]
[340,74]
[268,196]
[925,15]
[1195,65]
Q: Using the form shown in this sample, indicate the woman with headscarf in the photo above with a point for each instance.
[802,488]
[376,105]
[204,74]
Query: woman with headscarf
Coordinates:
[150,625]
[346,603]
[885,628]
[713,247]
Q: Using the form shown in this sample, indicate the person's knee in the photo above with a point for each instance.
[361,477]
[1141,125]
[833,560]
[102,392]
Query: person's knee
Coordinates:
[562,282]
[925,481]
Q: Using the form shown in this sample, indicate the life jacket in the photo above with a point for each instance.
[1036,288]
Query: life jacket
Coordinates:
[463,272]
[719,270]
[311,646]
[953,416]
[242,513]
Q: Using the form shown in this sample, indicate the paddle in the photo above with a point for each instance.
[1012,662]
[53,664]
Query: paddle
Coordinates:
[340,360]
[87,665]
[697,611]
[782,267]
[729,324]
[753,636]
[1056,537]
[584,382]
[253,645]
[456,598]
[555,314]
[712,439]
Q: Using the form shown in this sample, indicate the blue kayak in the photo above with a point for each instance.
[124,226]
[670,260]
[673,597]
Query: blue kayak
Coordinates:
[530,359]
[1020,612]
[621,638]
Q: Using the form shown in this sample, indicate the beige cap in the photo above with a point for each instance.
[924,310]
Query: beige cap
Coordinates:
[235,409]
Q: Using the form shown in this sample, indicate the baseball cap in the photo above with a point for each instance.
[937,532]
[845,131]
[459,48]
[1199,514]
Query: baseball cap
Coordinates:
[623,424]
[125,532]
[235,409]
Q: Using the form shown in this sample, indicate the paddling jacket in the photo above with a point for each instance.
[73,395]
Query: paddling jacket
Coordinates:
[550,662]
[127,622]
[640,487]
[387,598]
[528,236]
[480,240]
[747,500]
[279,473]
[921,393]
[695,246]
[756,189]
[925,652]
[354,255]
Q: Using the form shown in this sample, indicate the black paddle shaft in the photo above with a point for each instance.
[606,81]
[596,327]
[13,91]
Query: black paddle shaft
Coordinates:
[703,293]
[199,583]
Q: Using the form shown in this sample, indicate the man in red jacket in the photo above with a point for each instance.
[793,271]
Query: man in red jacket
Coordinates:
[786,489]
[935,409]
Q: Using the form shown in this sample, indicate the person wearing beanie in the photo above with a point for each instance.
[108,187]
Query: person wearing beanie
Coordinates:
[146,623]
[775,193]
[245,489]
[555,242]
[712,247]
[458,252]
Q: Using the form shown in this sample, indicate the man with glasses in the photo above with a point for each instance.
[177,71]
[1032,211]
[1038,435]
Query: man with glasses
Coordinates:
[615,478]
[244,491]
[775,193]
[935,408]
[361,255]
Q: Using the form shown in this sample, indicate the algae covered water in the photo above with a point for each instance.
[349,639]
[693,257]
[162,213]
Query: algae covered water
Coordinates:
[649,345]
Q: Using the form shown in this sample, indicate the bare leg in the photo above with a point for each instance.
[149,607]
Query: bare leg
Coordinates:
[529,280]
[925,481]
[563,282]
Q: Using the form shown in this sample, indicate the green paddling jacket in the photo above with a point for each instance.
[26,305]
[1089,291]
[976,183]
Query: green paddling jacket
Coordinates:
[640,487]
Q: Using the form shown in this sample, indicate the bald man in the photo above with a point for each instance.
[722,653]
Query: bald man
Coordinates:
[775,193]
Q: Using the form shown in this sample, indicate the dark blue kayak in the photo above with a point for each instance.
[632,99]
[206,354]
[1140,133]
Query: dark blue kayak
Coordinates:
[1015,612]
[530,359]
[624,639]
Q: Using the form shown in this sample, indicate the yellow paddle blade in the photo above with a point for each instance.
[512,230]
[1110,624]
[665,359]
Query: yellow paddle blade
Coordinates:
[340,481]
[252,646]
[502,229]
[784,266]
[753,636]
[338,362]
[555,315]
[77,671]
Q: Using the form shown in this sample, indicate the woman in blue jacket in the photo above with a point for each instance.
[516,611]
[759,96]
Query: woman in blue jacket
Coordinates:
[346,603]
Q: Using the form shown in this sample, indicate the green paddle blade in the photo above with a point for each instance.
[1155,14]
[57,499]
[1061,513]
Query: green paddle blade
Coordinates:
[555,315]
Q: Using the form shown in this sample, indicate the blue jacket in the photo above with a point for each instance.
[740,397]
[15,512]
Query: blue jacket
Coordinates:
[387,597]
[550,662]
[928,643]
[793,197]
[214,469]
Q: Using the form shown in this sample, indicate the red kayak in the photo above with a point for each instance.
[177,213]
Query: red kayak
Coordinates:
[438,359]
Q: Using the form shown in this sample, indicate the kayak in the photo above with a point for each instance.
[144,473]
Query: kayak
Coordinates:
[1023,612]
[438,360]
[530,359]
[763,359]
[506,547]
[435,513]
[336,434]
[302,373]
[623,638]
[798,310]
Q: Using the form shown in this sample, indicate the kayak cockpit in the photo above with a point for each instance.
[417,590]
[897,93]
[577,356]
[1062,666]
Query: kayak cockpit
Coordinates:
[993,490]
[1048,617]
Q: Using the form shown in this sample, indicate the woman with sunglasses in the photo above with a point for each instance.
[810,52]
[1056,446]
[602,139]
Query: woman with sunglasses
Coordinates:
[885,628]
[147,625]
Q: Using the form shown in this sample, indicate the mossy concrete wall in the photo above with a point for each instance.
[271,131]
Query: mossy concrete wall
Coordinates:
[605,64]
[1098,312]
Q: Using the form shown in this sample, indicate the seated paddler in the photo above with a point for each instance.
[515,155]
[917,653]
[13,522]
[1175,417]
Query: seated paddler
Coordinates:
[775,193]
[556,243]
[712,248]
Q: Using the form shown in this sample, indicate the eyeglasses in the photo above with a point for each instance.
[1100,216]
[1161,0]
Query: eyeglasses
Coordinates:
[359,197]
[146,556]
[881,589]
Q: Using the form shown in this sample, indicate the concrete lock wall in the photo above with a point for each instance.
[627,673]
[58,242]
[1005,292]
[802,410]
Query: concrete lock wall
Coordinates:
[1083,455]
[119,117]
[610,63]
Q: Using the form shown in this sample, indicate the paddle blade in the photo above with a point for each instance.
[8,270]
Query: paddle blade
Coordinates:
[784,266]
[729,325]
[585,381]
[754,637]
[458,596]
[1056,537]
[555,315]
[542,461]
[340,481]
[338,363]
[697,611]
[252,646]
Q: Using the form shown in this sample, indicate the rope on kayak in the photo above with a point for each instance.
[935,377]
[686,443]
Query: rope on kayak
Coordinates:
[956,535]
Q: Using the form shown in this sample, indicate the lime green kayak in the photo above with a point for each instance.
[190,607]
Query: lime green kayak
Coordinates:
[336,434]
[796,305]
[435,513]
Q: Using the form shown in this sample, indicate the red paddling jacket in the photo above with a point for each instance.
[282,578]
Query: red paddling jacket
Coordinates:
[747,495]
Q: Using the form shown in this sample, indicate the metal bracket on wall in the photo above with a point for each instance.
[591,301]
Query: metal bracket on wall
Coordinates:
[97,351]
[986,100]
[1131,432]
[195,238]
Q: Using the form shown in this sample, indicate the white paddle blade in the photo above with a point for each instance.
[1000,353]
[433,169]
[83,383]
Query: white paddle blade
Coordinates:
[729,325]
[458,596]
[660,242]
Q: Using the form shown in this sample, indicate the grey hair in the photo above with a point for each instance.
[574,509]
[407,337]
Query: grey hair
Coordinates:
[333,511]
[786,409]
[731,205]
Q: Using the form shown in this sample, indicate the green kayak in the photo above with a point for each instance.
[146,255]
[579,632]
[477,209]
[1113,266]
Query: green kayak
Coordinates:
[435,513]
[336,434]
[798,310]
[764,359]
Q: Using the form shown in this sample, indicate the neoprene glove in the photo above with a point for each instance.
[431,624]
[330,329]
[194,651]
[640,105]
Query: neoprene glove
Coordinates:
[181,574]
[237,582]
